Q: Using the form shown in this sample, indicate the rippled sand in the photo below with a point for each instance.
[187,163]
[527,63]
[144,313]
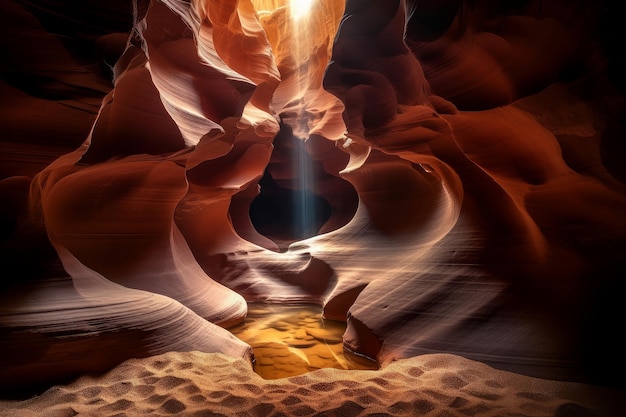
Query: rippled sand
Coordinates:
[301,370]
[207,384]
[292,340]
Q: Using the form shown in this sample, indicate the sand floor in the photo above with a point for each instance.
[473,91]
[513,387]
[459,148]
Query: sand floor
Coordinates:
[301,370]
[293,340]
[199,384]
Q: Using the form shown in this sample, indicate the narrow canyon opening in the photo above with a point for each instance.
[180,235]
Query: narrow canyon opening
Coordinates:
[298,197]
[286,214]
[301,193]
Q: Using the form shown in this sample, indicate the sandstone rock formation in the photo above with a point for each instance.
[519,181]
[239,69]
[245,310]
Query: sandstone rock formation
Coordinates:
[455,170]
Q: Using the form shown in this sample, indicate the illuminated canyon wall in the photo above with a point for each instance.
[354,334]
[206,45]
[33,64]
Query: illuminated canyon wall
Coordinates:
[444,176]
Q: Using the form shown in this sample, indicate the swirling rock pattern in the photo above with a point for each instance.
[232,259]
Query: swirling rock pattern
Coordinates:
[467,154]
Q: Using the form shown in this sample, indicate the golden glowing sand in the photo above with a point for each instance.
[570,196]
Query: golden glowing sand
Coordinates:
[293,340]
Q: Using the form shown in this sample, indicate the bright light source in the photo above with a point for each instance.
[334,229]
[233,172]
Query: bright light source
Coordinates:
[300,8]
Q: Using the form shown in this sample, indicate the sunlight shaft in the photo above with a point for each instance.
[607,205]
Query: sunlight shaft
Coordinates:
[300,8]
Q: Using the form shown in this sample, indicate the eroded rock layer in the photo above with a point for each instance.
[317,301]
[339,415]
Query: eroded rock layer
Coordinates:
[451,173]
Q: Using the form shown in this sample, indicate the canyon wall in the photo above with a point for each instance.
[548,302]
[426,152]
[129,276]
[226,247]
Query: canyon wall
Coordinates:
[444,176]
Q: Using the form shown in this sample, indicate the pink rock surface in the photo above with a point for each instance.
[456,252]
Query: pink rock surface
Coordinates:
[65,327]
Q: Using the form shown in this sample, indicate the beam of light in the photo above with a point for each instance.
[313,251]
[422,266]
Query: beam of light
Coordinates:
[304,207]
[300,8]
[300,46]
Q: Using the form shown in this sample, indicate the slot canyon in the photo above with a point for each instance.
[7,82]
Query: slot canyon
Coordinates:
[312,208]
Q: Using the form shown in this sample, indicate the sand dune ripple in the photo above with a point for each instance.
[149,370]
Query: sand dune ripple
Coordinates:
[211,384]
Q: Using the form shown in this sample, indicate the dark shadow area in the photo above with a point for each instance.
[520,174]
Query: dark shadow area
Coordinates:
[284,214]
[301,192]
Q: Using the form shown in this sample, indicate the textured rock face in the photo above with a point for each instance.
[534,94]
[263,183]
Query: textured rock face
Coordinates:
[454,166]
